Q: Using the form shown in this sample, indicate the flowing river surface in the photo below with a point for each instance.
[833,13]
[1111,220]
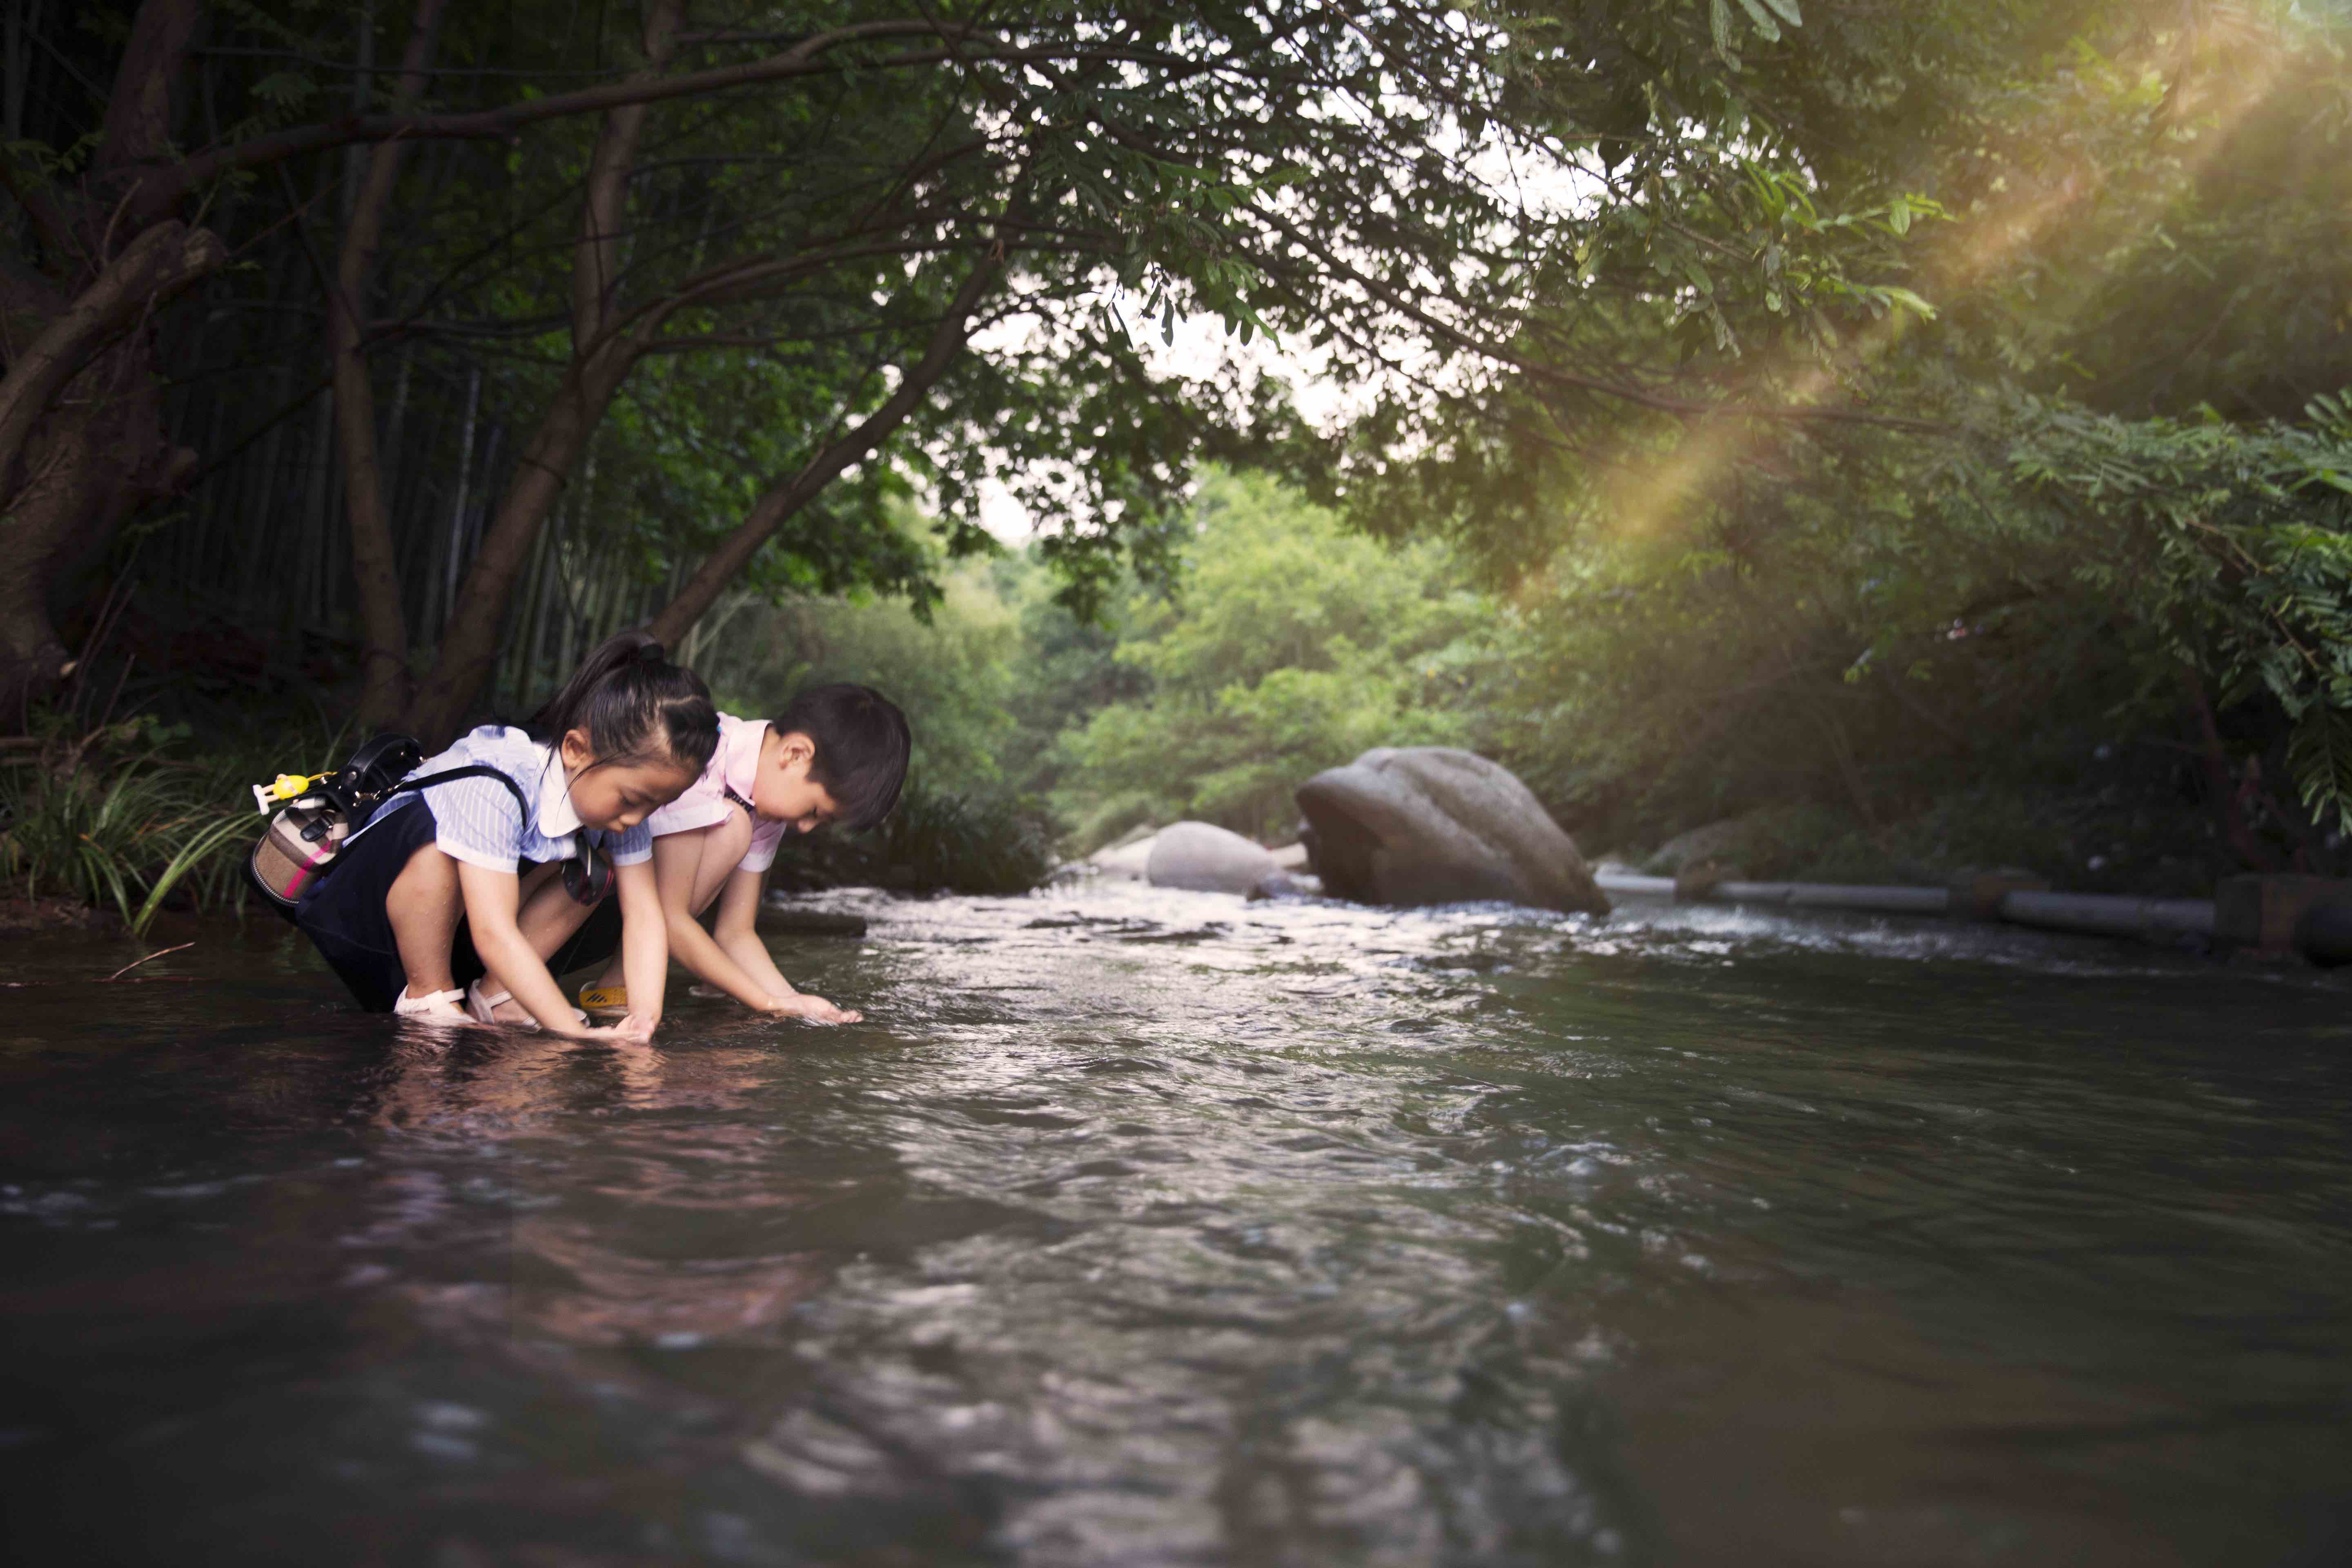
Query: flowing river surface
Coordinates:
[1146,1229]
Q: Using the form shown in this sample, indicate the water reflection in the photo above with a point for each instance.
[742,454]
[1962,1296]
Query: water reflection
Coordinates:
[1153,1228]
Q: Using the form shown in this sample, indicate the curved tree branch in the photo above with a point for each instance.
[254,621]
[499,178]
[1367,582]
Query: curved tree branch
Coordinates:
[596,263]
[166,187]
[735,551]
[160,262]
[138,126]
[1551,375]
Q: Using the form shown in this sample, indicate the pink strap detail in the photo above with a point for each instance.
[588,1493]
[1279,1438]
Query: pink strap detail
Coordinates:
[302,874]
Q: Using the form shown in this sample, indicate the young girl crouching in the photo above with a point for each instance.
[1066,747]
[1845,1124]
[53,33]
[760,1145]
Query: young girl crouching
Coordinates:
[836,755]
[429,896]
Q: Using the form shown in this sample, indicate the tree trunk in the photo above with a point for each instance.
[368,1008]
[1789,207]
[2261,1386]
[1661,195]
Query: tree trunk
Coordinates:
[81,418]
[81,437]
[602,359]
[98,458]
[375,565]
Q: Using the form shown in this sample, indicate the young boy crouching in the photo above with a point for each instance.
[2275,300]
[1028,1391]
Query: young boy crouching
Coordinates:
[836,755]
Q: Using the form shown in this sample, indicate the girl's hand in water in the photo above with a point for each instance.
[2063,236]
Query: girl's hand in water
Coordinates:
[636,1028]
[815,1009]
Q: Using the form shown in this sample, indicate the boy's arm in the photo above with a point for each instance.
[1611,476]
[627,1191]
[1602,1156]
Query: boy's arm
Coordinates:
[678,862]
[644,948]
[739,914]
[492,899]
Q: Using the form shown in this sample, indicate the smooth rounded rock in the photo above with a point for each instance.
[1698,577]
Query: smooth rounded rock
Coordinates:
[1124,861]
[1206,858]
[1433,824]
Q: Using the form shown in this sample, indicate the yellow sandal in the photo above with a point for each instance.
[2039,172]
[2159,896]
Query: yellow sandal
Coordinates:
[604,998]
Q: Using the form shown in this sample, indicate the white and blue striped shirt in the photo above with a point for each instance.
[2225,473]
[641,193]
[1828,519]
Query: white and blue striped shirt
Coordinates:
[475,820]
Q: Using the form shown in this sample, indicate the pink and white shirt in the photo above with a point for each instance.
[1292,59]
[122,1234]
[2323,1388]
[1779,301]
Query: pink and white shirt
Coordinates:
[726,787]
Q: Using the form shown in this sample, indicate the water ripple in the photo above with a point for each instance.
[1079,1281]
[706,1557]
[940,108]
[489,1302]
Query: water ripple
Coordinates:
[1146,1227]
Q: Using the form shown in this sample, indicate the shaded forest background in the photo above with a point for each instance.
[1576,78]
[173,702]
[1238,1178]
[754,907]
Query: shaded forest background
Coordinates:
[1917,435]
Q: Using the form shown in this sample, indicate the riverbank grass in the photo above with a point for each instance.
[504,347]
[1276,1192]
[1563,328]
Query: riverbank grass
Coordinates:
[110,819]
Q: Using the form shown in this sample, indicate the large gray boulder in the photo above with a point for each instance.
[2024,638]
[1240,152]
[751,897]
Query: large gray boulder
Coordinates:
[1206,858]
[1431,825]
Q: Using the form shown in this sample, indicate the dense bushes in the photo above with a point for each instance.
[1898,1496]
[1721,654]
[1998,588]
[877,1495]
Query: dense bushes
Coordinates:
[1288,646]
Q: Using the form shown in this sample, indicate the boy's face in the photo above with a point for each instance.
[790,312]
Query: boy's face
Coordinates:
[783,790]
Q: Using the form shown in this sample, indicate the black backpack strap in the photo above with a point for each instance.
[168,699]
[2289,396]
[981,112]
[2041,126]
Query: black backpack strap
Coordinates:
[360,821]
[470,770]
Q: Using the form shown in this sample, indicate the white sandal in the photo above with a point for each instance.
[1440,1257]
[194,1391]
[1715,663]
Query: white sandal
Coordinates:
[482,1006]
[433,1007]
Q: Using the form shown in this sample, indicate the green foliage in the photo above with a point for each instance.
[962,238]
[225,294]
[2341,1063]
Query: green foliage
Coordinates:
[1065,669]
[109,818]
[2094,557]
[2227,548]
[953,672]
[2084,261]
[1324,173]
[1288,646]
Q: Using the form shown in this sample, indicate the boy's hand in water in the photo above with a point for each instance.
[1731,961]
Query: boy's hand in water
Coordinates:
[815,1009]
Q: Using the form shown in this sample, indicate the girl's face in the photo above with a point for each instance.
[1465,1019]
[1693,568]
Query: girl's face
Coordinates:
[619,795]
[782,790]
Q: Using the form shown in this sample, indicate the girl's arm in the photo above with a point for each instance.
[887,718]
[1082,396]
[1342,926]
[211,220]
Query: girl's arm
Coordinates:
[739,913]
[677,865]
[492,899]
[644,948]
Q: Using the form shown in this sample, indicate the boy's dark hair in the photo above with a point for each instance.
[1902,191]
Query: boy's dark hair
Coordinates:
[861,741]
[636,706]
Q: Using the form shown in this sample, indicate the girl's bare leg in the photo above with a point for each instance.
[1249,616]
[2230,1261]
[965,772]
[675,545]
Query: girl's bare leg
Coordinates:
[423,906]
[547,920]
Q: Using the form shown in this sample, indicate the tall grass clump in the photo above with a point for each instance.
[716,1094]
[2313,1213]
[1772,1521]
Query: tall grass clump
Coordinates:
[109,818]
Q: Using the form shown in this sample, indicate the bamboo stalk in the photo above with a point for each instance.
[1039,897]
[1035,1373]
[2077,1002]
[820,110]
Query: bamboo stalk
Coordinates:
[448,562]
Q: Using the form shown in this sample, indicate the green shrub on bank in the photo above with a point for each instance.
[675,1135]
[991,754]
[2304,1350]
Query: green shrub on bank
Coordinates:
[1291,646]
[936,841]
[110,819]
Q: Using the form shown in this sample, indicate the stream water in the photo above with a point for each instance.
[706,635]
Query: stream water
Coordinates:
[1152,1228]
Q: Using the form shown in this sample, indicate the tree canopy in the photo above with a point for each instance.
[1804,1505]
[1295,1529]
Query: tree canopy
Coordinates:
[1812,385]
[838,202]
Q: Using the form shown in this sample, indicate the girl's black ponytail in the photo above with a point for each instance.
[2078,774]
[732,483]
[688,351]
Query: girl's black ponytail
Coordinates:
[635,705]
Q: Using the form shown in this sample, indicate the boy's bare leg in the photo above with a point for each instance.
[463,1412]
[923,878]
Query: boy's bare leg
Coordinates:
[422,905]
[548,918]
[720,851]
